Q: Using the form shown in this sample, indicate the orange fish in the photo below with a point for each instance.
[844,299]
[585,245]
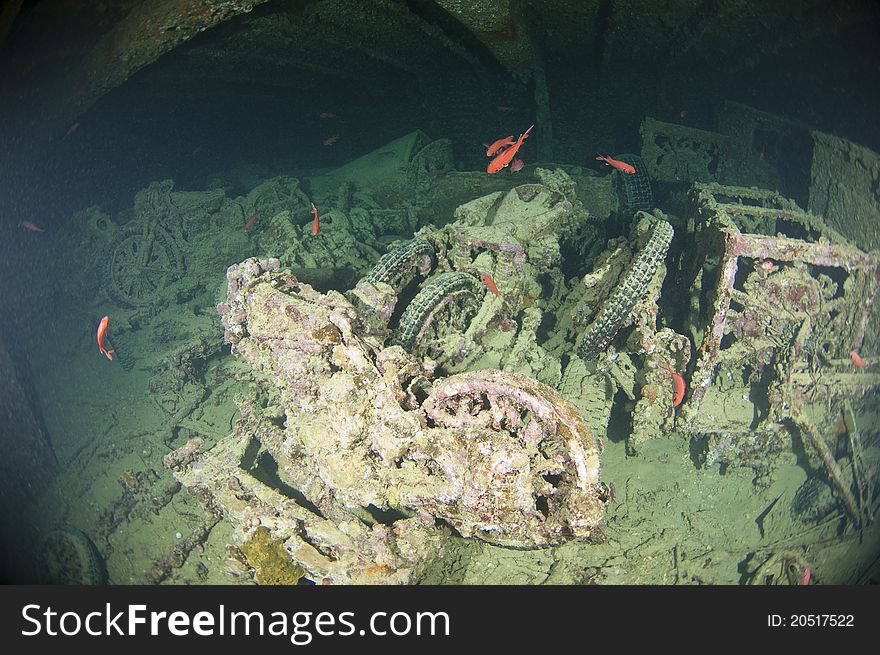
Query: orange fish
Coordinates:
[678,385]
[516,165]
[31,226]
[490,284]
[249,223]
[102,330]
[761,154]
[858,361]
[805,578]
[506,156]
[72,130]
[622,166]
[498,145]
[315,222]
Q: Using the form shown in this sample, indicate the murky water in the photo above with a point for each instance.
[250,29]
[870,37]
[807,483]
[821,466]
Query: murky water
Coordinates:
[386,292]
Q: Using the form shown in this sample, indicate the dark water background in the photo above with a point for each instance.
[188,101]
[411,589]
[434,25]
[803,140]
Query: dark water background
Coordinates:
[237,97]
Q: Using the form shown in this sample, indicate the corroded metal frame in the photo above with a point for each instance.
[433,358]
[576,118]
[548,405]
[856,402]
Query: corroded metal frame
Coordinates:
[716,233]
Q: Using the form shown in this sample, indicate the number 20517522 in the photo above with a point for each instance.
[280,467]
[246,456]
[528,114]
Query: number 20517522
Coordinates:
[811,621]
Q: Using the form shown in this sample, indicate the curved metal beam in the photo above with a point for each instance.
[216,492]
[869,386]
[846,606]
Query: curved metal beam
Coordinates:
[150,30]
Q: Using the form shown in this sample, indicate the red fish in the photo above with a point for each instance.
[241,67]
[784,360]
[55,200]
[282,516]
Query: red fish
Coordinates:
[506,156]
[678,385]
[30,226]
[805,578]
[856,359]
[490,284]
[102,330]
[330,140]
[499,145]
[516,165]
[622,166]
[314,213]
[249,223]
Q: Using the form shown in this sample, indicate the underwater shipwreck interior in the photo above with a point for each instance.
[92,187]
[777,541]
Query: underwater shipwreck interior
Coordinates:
[340,292]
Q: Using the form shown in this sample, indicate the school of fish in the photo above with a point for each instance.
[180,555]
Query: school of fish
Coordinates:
[503,152]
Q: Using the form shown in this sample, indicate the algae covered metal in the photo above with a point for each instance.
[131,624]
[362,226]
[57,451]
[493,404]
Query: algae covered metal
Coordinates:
[464,383]
[363,430]
[783,316]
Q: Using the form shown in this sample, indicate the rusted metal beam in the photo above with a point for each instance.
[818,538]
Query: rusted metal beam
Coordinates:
[149,31]
[500,27]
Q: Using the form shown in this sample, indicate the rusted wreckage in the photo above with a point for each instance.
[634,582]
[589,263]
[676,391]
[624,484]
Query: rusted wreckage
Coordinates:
[419,402]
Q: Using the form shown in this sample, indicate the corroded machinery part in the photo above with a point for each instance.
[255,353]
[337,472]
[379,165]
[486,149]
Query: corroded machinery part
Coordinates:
[71,557]
[636,187]
[282,325]
[394,268]
[526,470]
[617,309]
[333,546]
[442,290]
[132,279]
[144,258]
[496,455]
[374,303]
[787,289]
[780,569]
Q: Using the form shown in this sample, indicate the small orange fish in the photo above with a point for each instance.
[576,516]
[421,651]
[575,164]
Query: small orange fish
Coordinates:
[622,166]
[858,361]
[761,154]
[314,213]
[331,140]
[490,284]
[499,145]
[30,226]
[767,265]
[678,385]
[249,223]
[516,165]
[805,578]
[72,130]
[506,156]
[102,330]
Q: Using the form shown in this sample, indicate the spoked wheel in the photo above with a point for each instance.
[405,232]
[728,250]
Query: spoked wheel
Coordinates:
[142,262]
[526,468]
